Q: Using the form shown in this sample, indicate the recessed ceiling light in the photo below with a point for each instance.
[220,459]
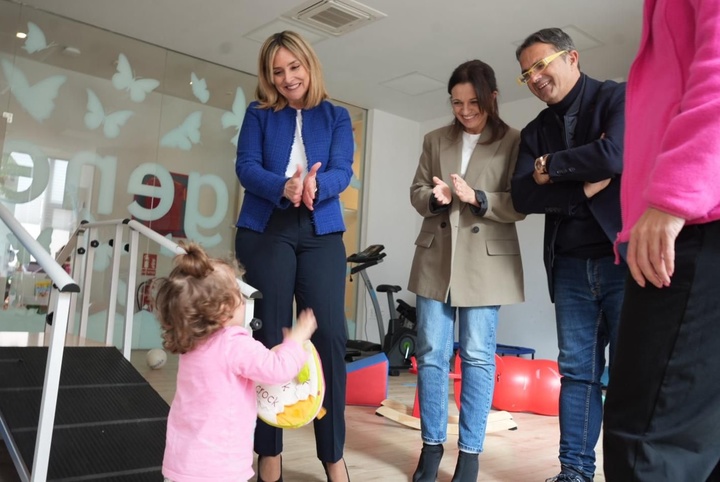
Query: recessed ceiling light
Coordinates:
[414,83]
[21,35]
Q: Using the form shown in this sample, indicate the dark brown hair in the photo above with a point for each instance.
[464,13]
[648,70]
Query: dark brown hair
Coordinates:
[553,36]
[196,298]
[482,77]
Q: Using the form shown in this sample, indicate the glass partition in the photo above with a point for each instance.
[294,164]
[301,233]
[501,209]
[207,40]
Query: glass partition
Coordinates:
[98,126]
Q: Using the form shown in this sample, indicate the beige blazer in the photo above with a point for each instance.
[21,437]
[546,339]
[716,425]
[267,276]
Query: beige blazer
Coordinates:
[473,258]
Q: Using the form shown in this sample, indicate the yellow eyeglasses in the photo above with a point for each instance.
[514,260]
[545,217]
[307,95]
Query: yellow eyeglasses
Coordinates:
[538,66]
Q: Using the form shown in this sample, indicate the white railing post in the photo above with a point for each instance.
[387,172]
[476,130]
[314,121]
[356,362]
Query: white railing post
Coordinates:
[51,385]
[114,281]
[130,300]
[88,241]
[70,252]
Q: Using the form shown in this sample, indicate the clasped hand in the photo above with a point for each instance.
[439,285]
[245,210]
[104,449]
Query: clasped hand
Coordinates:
[299,190]
[463,191]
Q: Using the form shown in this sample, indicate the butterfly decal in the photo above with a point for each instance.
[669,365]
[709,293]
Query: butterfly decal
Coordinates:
[186,134]
[35,40]
[95,117]
[125,80]
[39,99]
[235,118]
[23,255]
[199,88]
[122,291]
[102,258]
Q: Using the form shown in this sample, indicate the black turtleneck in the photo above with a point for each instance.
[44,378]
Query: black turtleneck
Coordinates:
[562,107]
[579,235]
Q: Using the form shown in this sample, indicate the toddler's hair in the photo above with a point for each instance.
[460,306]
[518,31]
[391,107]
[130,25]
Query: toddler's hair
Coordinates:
[196,298]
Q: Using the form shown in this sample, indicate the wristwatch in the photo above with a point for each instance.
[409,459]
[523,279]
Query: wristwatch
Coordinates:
[541,164]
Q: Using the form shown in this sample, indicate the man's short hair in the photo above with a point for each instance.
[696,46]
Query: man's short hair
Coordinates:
[554,36]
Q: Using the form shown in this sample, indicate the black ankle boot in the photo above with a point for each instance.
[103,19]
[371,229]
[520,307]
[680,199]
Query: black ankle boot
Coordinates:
[427,468]
[467,467]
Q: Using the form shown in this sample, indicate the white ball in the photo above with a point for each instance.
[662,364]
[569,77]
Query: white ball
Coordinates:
[156,358]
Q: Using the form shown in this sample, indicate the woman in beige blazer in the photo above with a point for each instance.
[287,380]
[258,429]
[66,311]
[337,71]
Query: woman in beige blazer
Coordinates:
[467,262]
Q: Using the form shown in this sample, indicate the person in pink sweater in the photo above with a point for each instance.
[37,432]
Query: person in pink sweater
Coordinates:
[212,417]
[662,411]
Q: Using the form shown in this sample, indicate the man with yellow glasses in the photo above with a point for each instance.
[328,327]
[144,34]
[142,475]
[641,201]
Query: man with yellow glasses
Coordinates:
[569,168]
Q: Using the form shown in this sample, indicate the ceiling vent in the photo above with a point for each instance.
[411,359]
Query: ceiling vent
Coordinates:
[335,17]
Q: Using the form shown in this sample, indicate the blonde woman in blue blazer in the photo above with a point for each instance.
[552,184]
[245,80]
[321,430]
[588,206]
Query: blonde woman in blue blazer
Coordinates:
[295,154]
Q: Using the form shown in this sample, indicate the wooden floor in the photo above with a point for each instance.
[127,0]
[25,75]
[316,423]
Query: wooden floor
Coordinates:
[378,449]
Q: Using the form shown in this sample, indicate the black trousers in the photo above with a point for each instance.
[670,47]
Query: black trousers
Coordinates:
[288,260]
[662,411]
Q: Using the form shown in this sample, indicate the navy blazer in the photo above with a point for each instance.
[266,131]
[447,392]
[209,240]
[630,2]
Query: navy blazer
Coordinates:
[597,155]
[264,145]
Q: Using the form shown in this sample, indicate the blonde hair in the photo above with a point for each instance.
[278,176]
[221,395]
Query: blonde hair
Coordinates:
[266,93]
[196,298]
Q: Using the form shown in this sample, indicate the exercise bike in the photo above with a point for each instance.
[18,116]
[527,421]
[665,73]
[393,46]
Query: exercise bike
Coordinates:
[400,341]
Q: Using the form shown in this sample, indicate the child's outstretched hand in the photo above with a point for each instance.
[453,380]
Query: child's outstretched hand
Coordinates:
[304,327]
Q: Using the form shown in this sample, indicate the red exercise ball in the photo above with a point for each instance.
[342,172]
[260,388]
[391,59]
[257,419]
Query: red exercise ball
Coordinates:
[524,385]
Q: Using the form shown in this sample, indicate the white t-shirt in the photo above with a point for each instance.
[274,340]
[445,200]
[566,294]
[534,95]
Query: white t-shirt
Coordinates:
[469,143]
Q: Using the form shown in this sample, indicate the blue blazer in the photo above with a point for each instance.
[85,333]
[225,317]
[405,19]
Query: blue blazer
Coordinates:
[597,155]
[263,154]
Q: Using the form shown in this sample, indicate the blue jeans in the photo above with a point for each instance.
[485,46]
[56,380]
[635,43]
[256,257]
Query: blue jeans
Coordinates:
[477,328]
[588,300]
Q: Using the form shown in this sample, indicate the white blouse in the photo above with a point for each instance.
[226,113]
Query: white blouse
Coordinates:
[297,153]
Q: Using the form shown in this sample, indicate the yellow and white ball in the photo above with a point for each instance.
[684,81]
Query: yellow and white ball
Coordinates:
[297,402]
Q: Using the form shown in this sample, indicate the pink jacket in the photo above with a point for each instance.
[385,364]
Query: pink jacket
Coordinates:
[212,417]
[672,133]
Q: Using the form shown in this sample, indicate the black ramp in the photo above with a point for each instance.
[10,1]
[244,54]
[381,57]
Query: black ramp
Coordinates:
[100,450]
[109,424]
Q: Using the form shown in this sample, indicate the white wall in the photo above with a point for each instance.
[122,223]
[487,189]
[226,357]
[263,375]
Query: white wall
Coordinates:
[394,145]
[531,323]
[394,148]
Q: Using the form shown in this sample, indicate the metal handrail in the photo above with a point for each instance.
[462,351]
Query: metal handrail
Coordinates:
[170,245]
[247,290]
[136,228]
[66,287]
[57,274]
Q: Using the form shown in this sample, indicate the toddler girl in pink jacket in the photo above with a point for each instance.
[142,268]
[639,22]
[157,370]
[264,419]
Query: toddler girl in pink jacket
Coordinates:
[212,417]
